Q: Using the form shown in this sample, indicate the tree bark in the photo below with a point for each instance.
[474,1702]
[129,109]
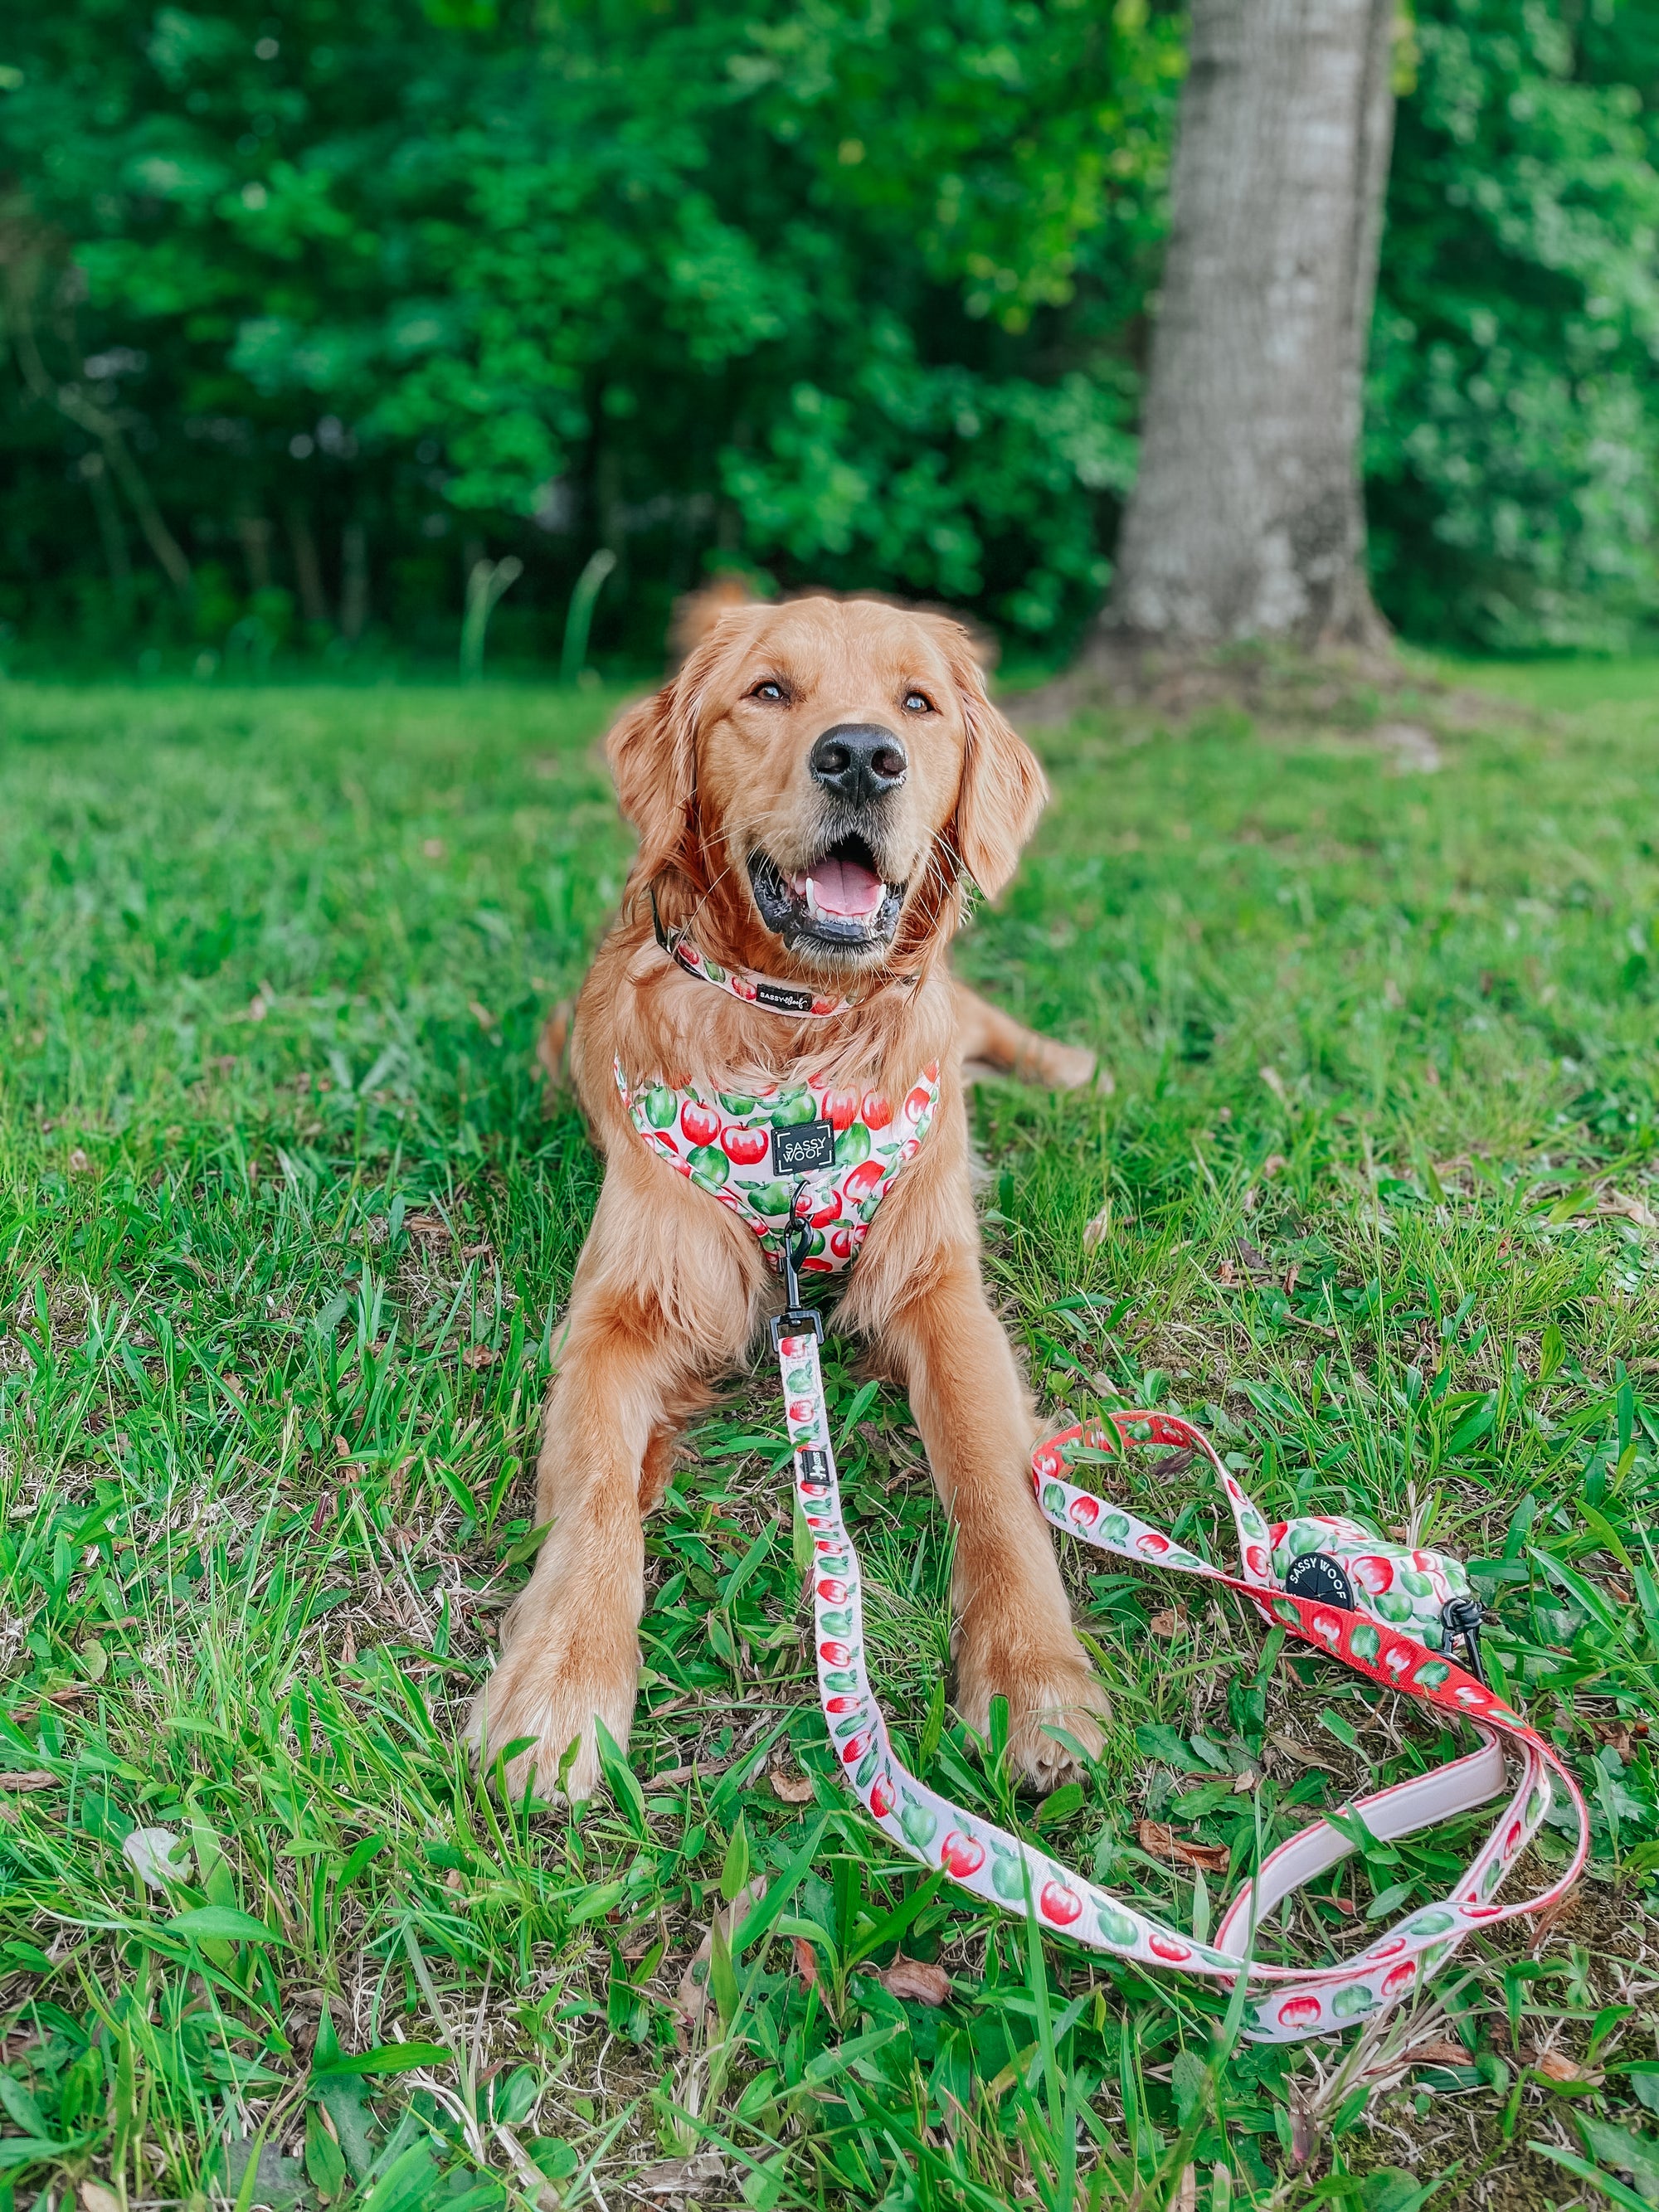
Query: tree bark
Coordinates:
[308,569]
[1247,519]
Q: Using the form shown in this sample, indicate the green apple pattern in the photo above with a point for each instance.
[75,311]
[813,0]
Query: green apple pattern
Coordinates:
[1288,2004]
[721,1141]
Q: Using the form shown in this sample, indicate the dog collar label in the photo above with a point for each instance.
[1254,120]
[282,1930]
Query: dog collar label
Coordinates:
[802,1146]
[782,998]
[743,983]
[1317,1576]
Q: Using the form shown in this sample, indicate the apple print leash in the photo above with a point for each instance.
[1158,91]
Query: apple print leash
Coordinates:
[806,1168]
[1324,1580]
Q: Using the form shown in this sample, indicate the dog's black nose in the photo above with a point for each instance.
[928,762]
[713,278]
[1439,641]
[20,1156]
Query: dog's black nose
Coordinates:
[859,762]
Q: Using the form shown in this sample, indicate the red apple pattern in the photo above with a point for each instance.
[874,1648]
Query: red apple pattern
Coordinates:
[872,1145]
[1288,2004]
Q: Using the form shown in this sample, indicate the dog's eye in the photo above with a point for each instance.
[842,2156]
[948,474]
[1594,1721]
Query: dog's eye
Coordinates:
[918,703]
[770,688]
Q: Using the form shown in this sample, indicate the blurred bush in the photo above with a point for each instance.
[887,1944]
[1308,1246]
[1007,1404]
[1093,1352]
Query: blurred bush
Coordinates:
[307,312]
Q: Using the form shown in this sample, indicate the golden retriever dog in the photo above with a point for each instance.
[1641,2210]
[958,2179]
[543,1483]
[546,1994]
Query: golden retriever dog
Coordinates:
[815,792]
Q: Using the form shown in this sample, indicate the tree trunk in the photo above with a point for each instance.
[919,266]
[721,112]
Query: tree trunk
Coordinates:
[1246,520]
[354,581]
[308,569]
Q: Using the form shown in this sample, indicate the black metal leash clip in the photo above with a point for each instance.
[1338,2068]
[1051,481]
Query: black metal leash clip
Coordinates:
[1461,1617]
[797,1237]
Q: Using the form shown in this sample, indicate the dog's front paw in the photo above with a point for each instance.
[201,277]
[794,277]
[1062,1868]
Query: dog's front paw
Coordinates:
[551,1684]
[1066,1066]
[1046,1692]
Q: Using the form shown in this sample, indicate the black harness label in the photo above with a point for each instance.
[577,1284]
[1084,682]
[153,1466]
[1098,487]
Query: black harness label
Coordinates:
[801,1146]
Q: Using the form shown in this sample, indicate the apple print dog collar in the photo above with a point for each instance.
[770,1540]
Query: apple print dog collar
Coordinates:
[1385,1610]
[841,1148]
[744,983]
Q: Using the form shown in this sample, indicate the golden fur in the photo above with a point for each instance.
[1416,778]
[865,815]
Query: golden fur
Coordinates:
[670,1289]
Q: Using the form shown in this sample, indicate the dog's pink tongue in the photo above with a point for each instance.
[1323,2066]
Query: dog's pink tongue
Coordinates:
[846,888]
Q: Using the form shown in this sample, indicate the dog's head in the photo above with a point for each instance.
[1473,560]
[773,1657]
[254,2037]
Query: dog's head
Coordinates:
[821,774]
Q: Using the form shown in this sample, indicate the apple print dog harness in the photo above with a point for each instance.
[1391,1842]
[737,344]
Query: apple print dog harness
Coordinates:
[805,1164]
[1390,1612]
[806,1168]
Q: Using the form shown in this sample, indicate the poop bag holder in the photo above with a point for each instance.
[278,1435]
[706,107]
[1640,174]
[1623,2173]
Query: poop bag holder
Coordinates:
[1393,1613]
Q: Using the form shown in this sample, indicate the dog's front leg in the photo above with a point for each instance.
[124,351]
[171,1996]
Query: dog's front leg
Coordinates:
[652,1317]
[1014,1631]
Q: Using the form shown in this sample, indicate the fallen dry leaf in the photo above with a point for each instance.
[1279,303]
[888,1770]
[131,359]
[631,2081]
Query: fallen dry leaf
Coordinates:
[71,1695]
[425,1224]
[1555,2066]
[94,2197]
[1620,1733]
[78,1166]
[807,1963]
[916,1979]
[1631,1207]
[1304,2126]
[1167,1623]
[1099,1228]
[1158,1838]
[32,1778]
[1440,2051]
[1187,2195]
[479,1355]
[683,2176]
[482,1015]
[1300,1754]
[793,1789]
[1545,1924]
[692,1996]
[672,1776]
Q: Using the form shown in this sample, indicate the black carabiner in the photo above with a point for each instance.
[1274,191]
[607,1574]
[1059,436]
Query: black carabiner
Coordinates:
[797,1239]
[1461,1617]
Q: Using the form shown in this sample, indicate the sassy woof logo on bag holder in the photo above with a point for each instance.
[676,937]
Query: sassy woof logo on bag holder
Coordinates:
[1286,2003]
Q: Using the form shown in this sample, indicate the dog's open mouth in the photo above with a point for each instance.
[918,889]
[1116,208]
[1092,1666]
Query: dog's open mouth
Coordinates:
[837,902]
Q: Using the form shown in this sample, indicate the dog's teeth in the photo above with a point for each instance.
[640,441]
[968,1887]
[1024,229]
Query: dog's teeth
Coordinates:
[812,906]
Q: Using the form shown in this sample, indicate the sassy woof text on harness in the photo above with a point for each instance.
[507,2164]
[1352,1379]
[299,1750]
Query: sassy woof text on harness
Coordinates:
[1387,1587]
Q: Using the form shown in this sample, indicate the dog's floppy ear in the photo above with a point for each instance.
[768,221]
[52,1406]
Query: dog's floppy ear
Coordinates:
[652,763]
[653,752]
[1003,789]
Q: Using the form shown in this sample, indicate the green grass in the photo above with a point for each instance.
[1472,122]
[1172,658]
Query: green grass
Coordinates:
[284,1238]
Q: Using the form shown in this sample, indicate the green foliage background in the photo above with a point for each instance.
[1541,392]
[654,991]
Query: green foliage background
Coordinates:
[854,291]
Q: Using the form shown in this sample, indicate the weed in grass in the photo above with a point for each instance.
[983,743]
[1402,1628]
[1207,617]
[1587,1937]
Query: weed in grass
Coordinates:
[284,1235]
